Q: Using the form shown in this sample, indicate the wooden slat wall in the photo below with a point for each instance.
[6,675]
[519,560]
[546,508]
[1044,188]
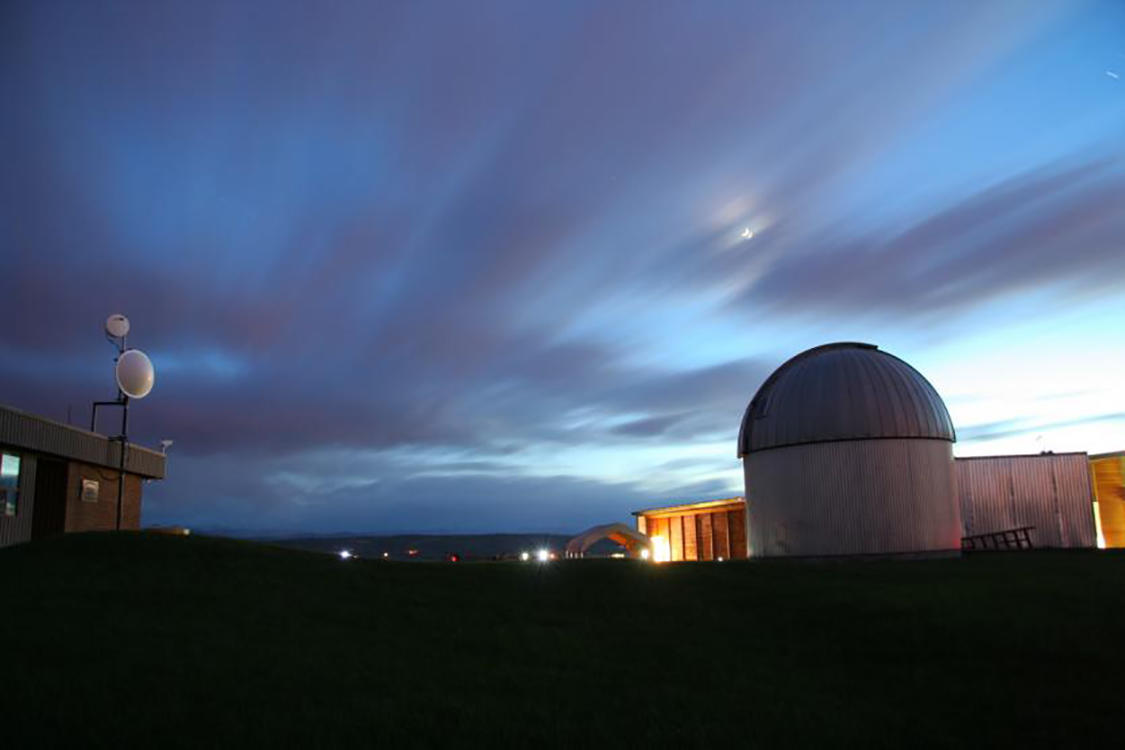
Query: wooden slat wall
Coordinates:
[1108,476]
[676,537]
[721,535]
[691,549]
[700,535]
[706,537]
[736,521]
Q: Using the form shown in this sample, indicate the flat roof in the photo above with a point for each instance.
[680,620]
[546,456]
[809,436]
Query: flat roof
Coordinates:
[30,432]
[671,510]
[1041,454]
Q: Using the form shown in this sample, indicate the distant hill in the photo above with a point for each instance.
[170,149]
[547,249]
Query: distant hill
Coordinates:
[440,546]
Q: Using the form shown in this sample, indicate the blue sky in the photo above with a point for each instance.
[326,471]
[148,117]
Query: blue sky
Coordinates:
[480,266]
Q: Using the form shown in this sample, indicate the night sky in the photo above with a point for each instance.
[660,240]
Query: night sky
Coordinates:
[484,266]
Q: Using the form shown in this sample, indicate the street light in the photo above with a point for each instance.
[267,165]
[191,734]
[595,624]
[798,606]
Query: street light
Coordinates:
[135,377]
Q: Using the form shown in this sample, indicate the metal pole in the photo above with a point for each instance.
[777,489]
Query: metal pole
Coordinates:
[124,444]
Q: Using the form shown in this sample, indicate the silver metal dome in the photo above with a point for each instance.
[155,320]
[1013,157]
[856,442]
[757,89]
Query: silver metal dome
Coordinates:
[843,391]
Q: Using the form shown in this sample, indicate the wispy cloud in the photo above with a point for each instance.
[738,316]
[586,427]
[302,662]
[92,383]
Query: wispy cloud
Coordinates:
[391,259]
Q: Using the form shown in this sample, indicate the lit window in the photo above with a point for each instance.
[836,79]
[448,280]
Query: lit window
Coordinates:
[9,483]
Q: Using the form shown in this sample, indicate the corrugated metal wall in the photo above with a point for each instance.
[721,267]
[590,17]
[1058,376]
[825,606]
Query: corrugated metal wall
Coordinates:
[852,497]
[17,528]
[1108,476]
[1049,491]
[29,432]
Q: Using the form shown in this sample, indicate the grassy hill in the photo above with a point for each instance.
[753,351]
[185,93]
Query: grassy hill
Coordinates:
[137,639]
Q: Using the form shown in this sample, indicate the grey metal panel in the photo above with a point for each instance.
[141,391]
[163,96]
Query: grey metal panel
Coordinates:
[16,529]
[885,496]
[28,432]
[843,391]
[1049,491]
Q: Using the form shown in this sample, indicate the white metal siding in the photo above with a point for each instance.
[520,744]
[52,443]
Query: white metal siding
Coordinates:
[1048,491]
[883,496]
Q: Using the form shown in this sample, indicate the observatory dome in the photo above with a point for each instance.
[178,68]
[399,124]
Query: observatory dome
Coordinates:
[842,391]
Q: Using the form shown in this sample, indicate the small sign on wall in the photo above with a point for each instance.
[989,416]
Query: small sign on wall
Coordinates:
[89,490]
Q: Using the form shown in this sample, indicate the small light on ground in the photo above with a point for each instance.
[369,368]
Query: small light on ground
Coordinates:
[525,556]
[644,554]
[543,555]
[345,554]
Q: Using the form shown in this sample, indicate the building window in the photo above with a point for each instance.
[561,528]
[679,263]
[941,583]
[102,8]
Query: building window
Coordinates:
[9,483]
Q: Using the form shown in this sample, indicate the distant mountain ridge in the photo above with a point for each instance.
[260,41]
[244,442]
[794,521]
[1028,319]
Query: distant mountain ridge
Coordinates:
[431,546]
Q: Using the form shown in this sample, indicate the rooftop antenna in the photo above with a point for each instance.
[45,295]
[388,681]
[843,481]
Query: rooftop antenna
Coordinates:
[135,377]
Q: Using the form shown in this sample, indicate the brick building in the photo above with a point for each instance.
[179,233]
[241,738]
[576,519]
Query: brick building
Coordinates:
[56,478]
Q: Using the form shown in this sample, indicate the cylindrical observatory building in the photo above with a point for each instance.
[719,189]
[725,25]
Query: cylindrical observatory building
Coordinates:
[848,450]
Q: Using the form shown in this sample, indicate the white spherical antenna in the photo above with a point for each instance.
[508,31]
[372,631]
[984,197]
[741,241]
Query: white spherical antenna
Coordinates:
[135,375]
[117,326]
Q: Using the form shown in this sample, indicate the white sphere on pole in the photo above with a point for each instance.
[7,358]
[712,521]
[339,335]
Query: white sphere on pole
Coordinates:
[135,375]
[117,326]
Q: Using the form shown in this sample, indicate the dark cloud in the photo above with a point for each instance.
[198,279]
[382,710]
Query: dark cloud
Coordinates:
[266,498]
[386,257]
[647,427]
[1023,426]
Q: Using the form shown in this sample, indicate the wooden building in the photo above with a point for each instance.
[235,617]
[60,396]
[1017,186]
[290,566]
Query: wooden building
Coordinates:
[711,530]
[56,478]
[1107,474]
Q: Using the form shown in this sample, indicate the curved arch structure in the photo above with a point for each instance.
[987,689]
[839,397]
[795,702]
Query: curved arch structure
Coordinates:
[629,538]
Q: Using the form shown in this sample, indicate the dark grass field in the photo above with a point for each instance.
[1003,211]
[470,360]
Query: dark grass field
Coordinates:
[135,639]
